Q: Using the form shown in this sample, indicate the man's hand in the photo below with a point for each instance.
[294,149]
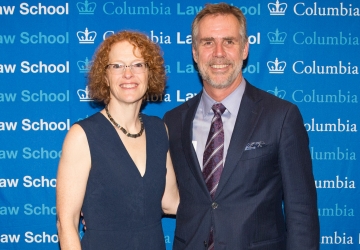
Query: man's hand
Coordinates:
[83,220]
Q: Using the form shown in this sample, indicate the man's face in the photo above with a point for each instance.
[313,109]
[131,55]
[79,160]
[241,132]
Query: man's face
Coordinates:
[219,52]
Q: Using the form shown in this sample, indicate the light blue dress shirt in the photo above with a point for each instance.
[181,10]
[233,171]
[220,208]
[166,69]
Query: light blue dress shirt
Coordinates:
[204,115]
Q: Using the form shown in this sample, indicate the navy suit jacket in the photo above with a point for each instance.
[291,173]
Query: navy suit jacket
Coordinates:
[266,198]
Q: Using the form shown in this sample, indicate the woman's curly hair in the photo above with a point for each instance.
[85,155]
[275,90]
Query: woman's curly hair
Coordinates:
[151,53]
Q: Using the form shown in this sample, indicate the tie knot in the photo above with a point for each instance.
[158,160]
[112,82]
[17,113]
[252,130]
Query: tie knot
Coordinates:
[218,108]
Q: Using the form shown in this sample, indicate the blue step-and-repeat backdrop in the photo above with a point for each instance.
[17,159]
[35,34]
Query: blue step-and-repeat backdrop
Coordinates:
[306,52]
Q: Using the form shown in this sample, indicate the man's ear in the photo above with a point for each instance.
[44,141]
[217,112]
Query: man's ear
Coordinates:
[245,51]
[195,54]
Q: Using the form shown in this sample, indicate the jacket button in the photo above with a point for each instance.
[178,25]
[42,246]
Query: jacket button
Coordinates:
[214,205]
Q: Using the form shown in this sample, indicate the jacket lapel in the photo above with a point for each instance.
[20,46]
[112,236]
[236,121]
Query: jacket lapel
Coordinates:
[189,151]
[246,120]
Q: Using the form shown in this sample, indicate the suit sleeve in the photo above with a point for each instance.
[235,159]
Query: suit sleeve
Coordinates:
[300,199]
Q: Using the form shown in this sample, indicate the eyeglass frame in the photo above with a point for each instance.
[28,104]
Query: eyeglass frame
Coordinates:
[128,66]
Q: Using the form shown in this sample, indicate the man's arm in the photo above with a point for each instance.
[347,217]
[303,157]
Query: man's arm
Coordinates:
[300,197]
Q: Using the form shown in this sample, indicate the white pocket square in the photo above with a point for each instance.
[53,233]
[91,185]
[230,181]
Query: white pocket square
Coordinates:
[255,145]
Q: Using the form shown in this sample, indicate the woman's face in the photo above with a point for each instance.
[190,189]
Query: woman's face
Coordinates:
[127,74]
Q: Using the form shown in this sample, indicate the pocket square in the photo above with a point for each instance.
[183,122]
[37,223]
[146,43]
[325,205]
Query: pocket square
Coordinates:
[255,145]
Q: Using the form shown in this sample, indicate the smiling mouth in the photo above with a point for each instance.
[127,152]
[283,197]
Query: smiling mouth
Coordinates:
[219,66]
[128,85]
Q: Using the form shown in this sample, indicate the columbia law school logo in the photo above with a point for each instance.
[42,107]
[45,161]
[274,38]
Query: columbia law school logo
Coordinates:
[276,67]
[277,9]
[84,66]
[84,95]
[86,8]
[277,37]
[86,37]
[279,93]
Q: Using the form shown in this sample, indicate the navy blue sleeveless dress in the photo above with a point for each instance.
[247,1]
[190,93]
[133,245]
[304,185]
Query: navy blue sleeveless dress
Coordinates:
[121,208]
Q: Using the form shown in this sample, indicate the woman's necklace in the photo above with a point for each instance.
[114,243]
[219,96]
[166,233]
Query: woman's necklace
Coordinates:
[122,129]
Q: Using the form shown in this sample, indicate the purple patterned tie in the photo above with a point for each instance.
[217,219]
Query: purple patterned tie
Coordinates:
[213,156]
[214,150]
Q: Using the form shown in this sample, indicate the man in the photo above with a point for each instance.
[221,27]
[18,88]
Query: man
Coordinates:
[251,185]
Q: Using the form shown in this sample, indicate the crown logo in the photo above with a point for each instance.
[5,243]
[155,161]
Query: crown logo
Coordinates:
[86,8]
[277,37]
[279,93]
[277,9]
[276,67]
[84,95]
[84,66]
[86,37]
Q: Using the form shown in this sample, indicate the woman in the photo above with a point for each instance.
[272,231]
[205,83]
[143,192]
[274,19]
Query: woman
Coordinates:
[115,165]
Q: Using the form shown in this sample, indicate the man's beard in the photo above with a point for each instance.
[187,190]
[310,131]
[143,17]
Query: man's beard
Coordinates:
[223,84]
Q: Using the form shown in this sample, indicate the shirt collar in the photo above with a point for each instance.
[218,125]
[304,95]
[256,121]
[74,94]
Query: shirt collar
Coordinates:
[231,102]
